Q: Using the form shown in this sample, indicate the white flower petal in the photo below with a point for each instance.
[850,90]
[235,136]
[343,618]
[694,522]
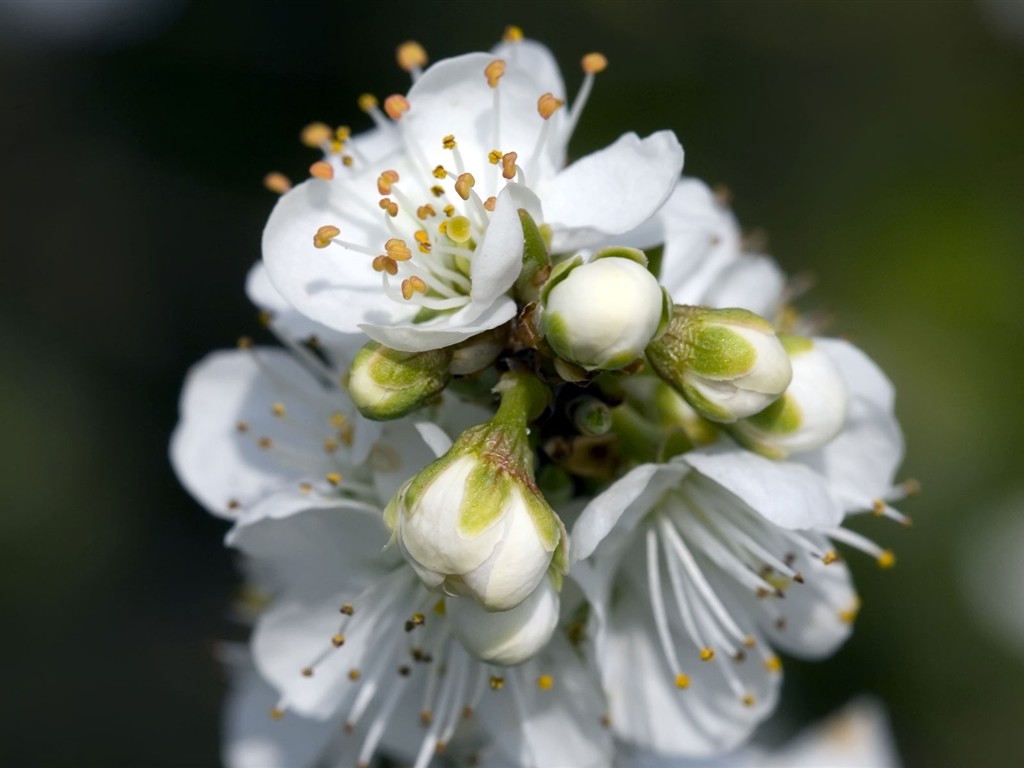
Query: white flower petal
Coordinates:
[444,330]
[611,191]
[783,492]
[499,257]
[506,637]
[333,286]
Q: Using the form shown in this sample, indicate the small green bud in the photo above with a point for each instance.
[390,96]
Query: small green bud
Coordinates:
[727,363]
[386,383]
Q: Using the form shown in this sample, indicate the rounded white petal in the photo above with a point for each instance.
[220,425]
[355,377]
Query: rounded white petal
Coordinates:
[506,637]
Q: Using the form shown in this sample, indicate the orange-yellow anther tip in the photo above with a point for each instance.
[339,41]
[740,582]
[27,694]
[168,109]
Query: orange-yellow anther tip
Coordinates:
[411,55]
[545,682]
[315,134]
[593,63]
[508,165]
[887,559]
[324,235]
[277,183]
[682,681]
[464,184]
[494,71]
[395,106]
[547,105]
[513,34]
[321,170]
[368,102]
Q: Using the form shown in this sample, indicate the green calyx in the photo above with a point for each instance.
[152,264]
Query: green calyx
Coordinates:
[536,261]
[386,383]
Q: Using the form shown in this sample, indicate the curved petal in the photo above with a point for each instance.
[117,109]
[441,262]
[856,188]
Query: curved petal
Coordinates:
[612,190]
[783,492]
[453,98]
[333,286]
[751,282]
[445,330]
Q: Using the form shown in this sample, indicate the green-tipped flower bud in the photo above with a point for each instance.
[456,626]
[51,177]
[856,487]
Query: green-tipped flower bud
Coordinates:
[387,384]
[602,314]
[474,522]
[727,363]
[808,415]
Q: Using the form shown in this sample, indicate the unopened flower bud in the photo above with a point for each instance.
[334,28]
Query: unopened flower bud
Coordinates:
[808,415]
[474,522]
[507,637]
[602,314]
[387,384]
[727,363]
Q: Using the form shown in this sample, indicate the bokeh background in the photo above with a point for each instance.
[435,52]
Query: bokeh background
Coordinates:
[877,146]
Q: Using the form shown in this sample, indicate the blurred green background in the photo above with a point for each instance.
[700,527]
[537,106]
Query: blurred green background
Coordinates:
[878,145]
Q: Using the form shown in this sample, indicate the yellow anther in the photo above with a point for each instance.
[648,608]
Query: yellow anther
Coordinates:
[397,249]
[413,285]
[338,419]
[242,426]
[307,672]
[277,183]
[354,674]
[437,191]
[334,478]
[886,559]
[463,184]
[321,170]
[850,614]
[489,203]
[265,443]
[278,410]
[330,445]
[707,654]
[315,134]
[385,180]
[342,133]
[424,247]
[324,235]
[347,161]
[276,713]
[547,105]
[749,641]
[830,557]
[748,700]
[494,156]
[305,487]
[395,106]
[424,212]
[593,63]
[384,264]
[440,608]
[682,681]
[497,683]
[545,682]
[513,34]
[508,165]
[336,146]
[421,236]
[410,55]
[448,142]
[459,229]
[347,609]
[449,211]
[773,664]
[338,640]
[368,102]
[442,227]
[494,71]
[878,507]
[389,205]
[426,717]
[234,504]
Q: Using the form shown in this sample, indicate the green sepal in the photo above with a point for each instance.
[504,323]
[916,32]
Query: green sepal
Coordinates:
[536,261]
[558,274]
[622,252]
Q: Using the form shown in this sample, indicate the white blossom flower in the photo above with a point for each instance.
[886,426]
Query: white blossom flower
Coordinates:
[419,247]
[351,637]
[685,563]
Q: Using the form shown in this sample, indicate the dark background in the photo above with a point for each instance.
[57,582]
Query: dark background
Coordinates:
[877,144]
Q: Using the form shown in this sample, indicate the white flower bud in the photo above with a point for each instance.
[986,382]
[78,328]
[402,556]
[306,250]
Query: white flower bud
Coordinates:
[474,522]
[386,383]
[727,363]
[808,415]
[507,637]
[602,314]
